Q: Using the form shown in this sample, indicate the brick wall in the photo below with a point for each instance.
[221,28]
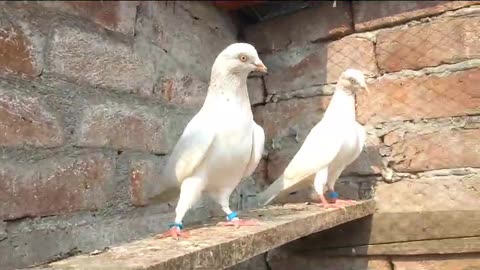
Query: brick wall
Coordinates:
[422,114]
[91,93]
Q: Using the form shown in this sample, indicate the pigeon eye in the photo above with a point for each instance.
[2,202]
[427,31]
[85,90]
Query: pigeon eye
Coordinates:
[243,58]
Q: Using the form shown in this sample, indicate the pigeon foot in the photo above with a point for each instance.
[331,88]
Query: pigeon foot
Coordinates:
[239,222]
[175,233]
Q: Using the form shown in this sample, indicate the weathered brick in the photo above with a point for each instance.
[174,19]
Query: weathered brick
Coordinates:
[301,27]
[369,162]
[18,53]
[26,120]
[180,88]
[54,186]
[114,15]
[256,90]
[316,64]
[438,262]
[393,98]
[88,57]
[428,45]
[442,150]
[121,126]
[144,178]
[170,26]
[370,15]
[446,193]
[287,117]
[286,125]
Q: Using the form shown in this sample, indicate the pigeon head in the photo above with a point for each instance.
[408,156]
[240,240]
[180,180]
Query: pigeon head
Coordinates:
[239,58]
[353,80]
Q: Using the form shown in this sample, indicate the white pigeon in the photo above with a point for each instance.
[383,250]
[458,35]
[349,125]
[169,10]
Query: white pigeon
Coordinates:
[335,142]
[221,144]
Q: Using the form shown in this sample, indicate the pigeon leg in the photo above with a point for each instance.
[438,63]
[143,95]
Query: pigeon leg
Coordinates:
[190,192]
[233,220]
[175,232]
[333,199]
[326,204]
[232,217]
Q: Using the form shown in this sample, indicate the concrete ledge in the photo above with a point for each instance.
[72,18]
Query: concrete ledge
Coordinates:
[213,247]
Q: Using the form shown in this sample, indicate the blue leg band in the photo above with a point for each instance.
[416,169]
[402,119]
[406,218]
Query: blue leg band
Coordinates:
[333,195]
[178,225]
[232,216]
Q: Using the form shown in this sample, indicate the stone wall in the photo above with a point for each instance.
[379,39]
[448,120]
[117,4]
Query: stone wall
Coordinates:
[422,116]
[91,92]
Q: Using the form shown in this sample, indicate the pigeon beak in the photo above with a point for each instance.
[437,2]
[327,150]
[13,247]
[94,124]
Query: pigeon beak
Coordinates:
[259,66]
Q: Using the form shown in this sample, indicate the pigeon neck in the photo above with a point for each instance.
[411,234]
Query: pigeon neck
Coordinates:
[342,105]
[229,86]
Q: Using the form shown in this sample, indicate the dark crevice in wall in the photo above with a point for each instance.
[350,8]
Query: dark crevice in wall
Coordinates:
[266,261]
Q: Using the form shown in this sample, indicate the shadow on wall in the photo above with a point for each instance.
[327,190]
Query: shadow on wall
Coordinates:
[311,252]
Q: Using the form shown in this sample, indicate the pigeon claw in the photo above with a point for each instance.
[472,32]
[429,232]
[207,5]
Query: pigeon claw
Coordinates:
[174,232]
[345,202]
[239,222]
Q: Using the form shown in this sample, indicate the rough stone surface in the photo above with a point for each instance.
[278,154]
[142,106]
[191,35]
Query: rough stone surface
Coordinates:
[26,120]
[53,238]
[429,194]
[121,126]
[54,186]
[438,262]
[442,150]
[114,15]
[169,26]
[255,263]
[281,225]
[18,52]
[256,90]
[428,45]
[317,64]
[370,15]
[87,57]
[301,27]
[280,259]
[393,98]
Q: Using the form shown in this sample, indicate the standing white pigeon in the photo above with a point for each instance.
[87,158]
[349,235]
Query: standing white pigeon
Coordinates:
[335,142]
[221,144]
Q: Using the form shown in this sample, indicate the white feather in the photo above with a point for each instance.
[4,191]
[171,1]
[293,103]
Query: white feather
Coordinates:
[335,142]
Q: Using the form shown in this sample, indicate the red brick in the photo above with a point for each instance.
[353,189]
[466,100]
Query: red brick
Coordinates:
[114,15]
[16,55]
[27,121]
[370,15]
[442,150]
[301,27]
[140,128]
[180,88]
[54,186]
[318,64]
[429,45]
[144,177]
[393,98]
